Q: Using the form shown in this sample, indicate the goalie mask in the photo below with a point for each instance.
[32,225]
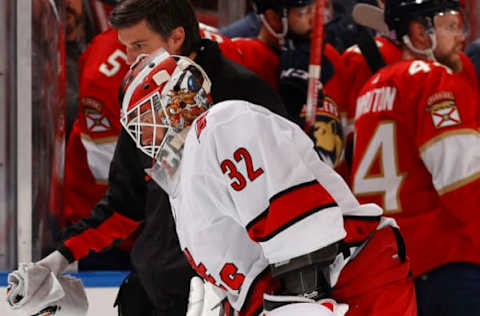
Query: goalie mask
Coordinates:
[162,96]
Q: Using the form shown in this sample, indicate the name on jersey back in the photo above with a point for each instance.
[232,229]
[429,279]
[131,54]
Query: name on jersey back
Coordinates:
[377,100]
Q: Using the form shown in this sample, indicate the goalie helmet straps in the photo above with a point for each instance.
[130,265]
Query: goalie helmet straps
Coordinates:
[281,7]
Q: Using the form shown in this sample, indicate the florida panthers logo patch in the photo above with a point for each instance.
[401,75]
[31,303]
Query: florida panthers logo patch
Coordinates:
[200,125]
[443,109]
[327,132]
[95,120]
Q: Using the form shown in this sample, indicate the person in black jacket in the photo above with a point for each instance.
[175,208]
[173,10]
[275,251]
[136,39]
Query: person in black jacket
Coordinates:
[473,51]
[161,283]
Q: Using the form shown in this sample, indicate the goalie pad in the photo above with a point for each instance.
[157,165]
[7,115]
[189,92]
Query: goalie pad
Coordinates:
[294,305]
[307,275]
[205,299]
[36,291]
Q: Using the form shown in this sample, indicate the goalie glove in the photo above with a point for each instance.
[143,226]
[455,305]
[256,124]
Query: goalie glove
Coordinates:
[205,299]
[24,282]
[55,262]
[34,290]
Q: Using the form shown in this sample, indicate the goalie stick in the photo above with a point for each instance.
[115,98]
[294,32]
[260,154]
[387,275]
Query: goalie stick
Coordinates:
[315,67]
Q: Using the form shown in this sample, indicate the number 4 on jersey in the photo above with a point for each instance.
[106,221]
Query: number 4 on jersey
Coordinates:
[378,171]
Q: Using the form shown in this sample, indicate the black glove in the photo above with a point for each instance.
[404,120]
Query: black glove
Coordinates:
[327,132]
[293,85]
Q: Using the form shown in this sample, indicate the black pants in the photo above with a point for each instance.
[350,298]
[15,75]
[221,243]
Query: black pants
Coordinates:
[451,290]
[132,300]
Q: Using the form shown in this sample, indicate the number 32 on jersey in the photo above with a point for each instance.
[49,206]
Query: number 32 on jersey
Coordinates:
[378,171]
[230,168]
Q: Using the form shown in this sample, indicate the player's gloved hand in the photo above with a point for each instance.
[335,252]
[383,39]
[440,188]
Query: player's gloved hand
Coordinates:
[293,84]
[294,62]
[205,299]
[326,133]
[37,288]
[276,305]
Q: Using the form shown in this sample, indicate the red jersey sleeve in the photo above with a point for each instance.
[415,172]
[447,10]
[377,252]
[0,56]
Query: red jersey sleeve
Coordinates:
[251,53]
[93,138]
[449,142]
[260,58]
[224,43]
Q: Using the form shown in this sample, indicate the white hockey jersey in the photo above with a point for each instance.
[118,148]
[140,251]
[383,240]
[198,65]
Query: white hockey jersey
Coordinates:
[253,192]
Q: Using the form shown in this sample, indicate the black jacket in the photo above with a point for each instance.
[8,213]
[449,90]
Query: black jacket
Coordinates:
[131,199]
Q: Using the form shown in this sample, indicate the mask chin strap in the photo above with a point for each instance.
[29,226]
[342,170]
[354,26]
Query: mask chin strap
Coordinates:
[428,53]
[279,36]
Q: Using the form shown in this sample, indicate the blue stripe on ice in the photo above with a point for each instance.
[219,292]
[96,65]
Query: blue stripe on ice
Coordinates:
[89,278]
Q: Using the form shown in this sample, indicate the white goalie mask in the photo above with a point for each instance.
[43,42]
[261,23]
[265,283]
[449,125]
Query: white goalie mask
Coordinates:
[162,95]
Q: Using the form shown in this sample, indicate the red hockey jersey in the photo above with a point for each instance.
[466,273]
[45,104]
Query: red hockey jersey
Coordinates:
[356,65]
[248,52]
[417,154]
[259,58]
[94,134]
[224,43]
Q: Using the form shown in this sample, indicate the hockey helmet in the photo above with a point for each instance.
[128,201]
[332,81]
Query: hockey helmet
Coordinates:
[261,6]
[162,96]
[399,13]
[111,2]
[281,6]
[98,12]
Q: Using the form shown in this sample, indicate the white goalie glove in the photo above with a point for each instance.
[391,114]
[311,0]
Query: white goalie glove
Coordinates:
[205,299]
[36,289]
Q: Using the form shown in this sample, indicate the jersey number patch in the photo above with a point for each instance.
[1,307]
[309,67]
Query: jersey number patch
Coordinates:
[229,273]
[378,171]
[230,168]
[114,64]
